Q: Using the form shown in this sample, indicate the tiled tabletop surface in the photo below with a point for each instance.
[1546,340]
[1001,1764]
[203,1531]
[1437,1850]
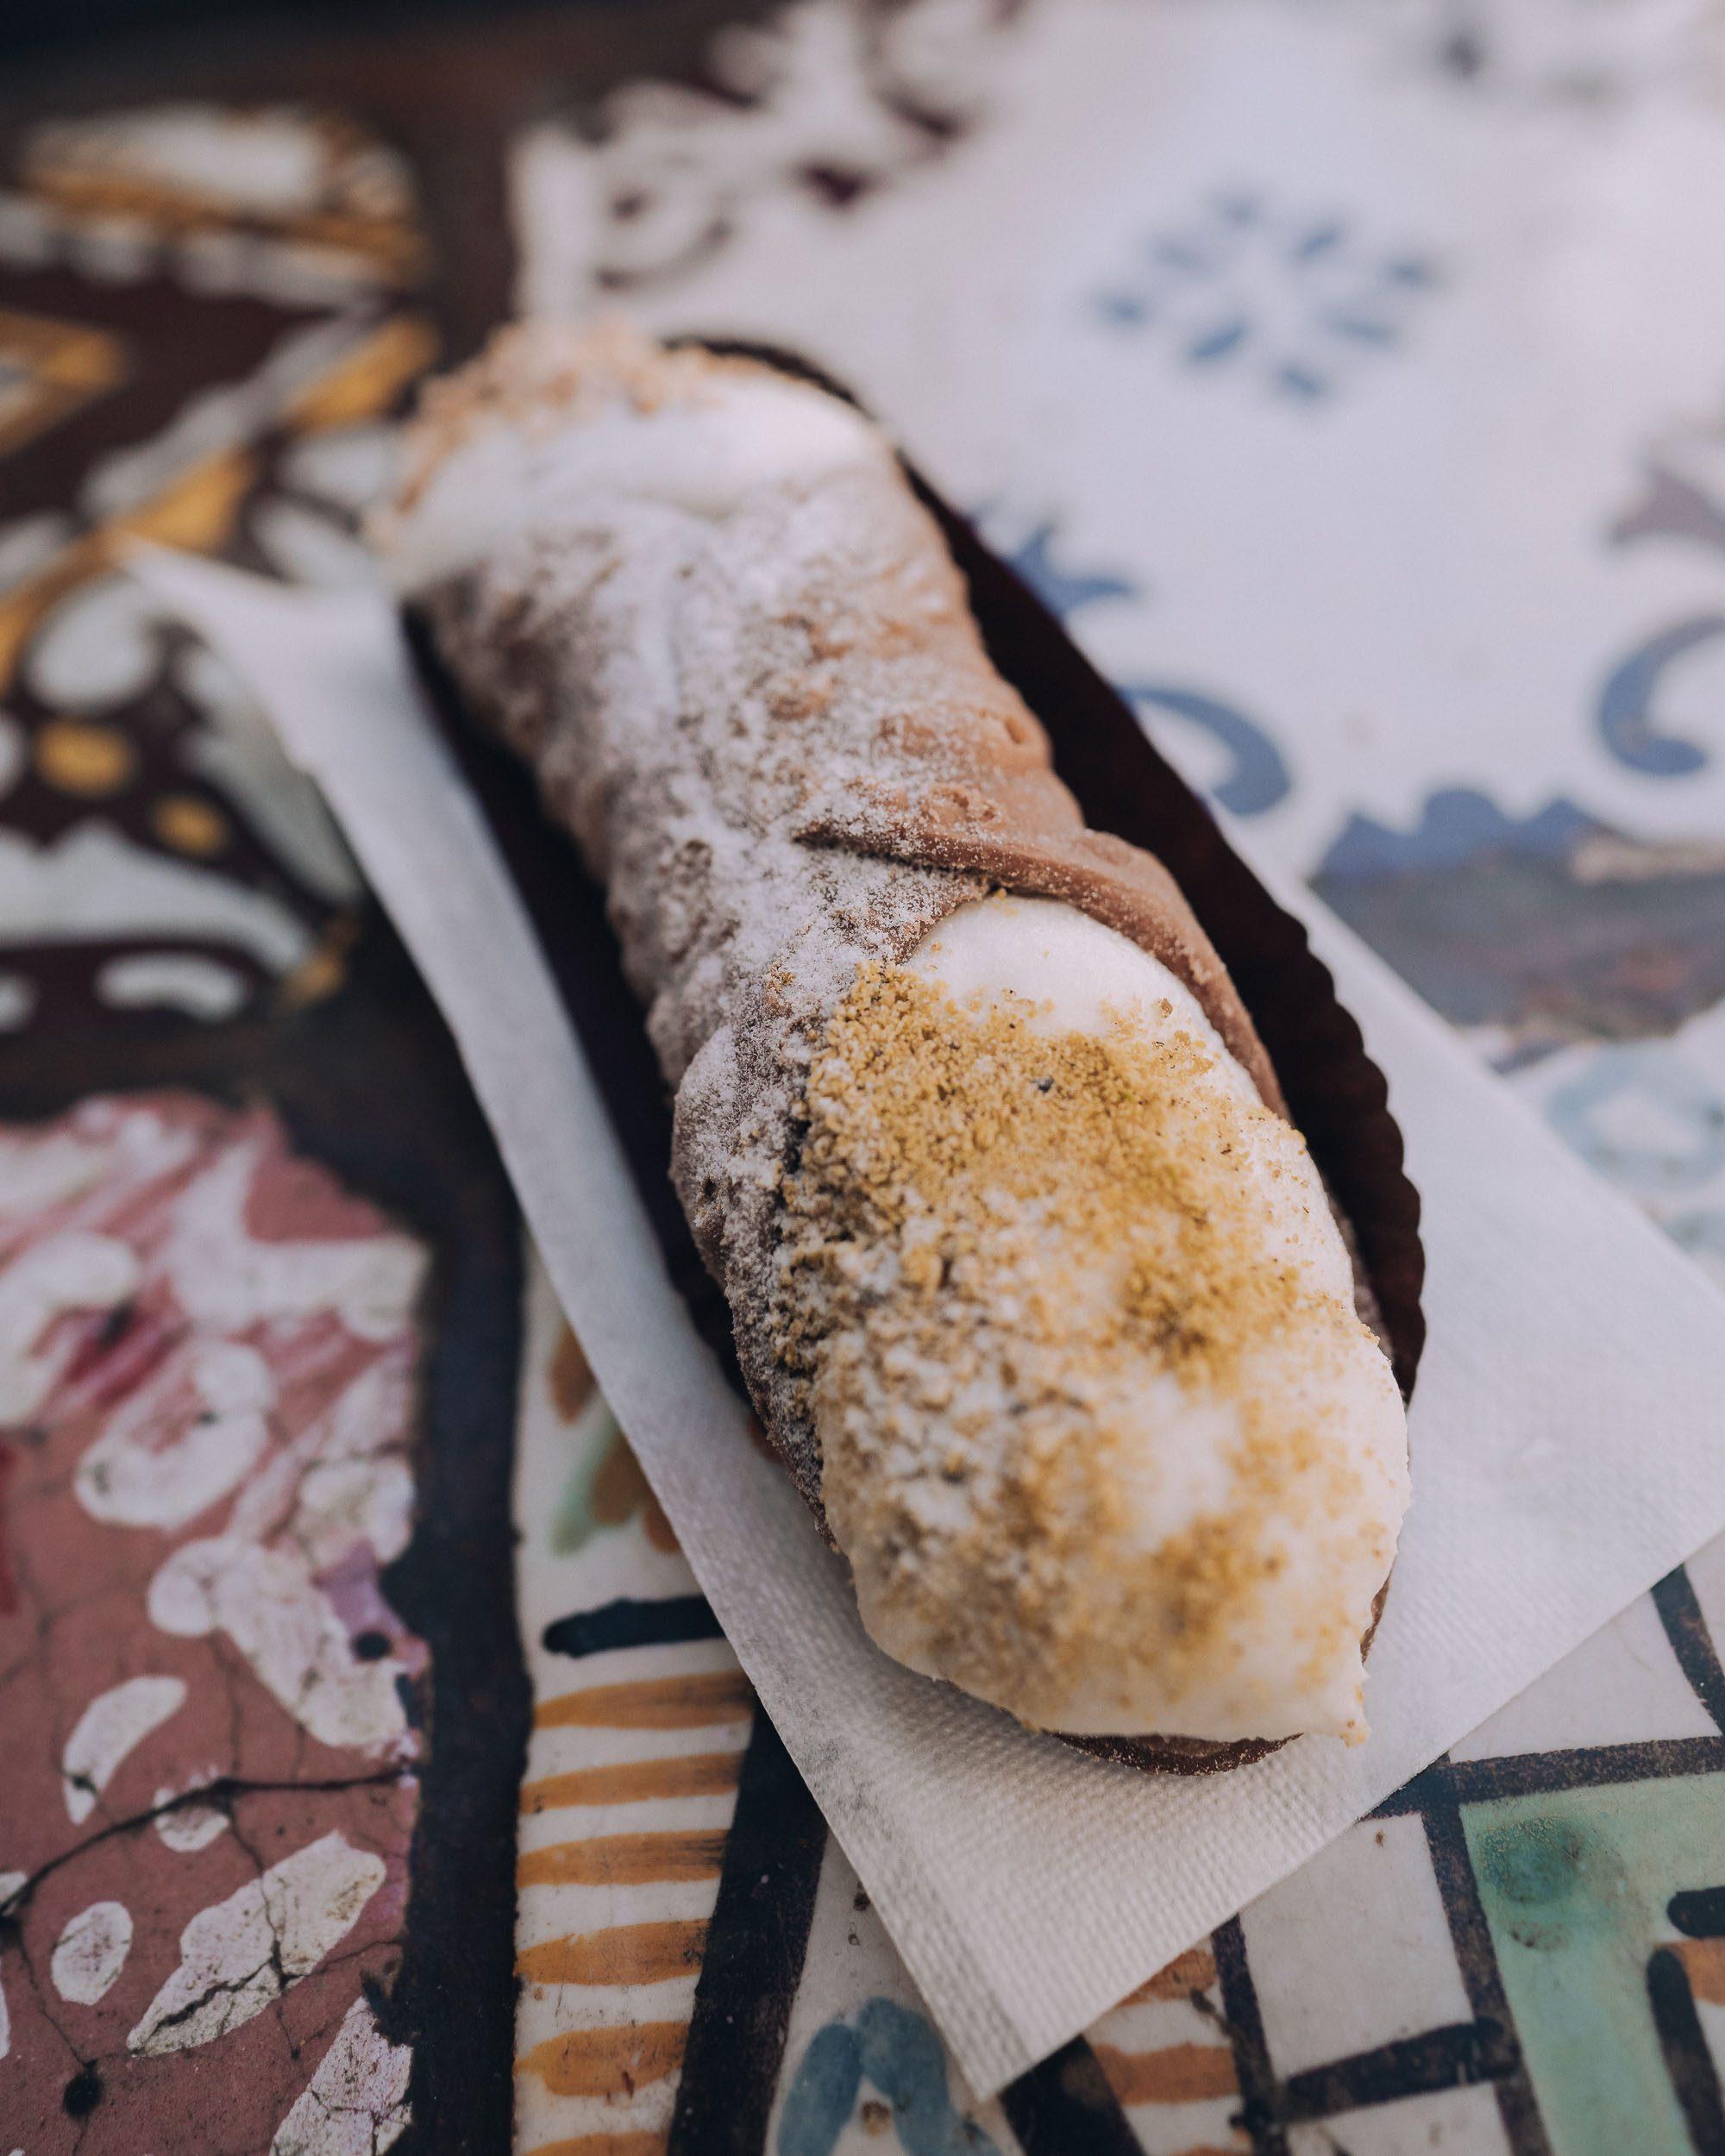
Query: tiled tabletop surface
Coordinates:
[268,1333]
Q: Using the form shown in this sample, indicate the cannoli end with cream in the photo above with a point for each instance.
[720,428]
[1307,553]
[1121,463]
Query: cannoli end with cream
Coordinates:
[1101,1431]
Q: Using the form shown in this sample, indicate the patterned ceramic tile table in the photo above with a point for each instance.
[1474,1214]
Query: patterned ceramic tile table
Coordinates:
[1352,378]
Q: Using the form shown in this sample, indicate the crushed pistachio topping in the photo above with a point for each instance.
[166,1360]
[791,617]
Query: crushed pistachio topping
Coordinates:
[1010,1251]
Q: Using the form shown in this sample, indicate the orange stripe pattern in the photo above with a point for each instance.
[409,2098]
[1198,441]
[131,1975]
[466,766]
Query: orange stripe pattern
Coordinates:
[660,1702]
[619,1953]
[1194,1971]
[695,1774]
[607,2062]
[1179,2073]
[1704,1959]
[618,2145]
[624,1860]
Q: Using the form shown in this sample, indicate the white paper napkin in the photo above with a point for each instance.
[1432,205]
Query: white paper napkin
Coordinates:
[1566,1431]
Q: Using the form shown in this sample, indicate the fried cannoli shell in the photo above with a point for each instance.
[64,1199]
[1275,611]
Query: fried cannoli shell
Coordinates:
[1001,819]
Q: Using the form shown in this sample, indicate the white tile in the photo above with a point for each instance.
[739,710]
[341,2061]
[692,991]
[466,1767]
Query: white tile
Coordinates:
[1353,1950]
[1620,1687]
[1453,2122]
[1187,2129]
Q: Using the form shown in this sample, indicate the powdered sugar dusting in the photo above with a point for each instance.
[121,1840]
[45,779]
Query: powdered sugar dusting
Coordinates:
[694,694]
[759,701]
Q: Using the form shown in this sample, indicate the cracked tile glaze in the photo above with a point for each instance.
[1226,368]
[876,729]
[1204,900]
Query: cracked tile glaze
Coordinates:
[207,1363]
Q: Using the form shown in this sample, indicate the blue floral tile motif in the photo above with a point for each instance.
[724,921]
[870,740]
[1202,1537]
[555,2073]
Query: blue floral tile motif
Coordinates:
[1679,500]
[1645,1117]
[1628,723]
[1256,777]
[893,2050]
[1293,299]
[1062,588]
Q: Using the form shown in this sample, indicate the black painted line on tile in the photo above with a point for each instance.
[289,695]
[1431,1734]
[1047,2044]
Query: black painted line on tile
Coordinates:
[1259,2114]
[1065,2107]
[755,1948]
[369,1082]
[1698,1914]
[1432,1784]
[1695,2081]
[629,1623]
[1454,2056]
[1680,1613]
[1543,1773]
[1477,1958]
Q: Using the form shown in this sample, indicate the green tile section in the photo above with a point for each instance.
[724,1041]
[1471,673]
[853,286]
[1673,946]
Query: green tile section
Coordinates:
[578,1518]
[1575,1887]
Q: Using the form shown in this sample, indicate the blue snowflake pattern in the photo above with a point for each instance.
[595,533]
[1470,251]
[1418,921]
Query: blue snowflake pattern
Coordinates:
[1291,300]
[1256,777]
[1064,589]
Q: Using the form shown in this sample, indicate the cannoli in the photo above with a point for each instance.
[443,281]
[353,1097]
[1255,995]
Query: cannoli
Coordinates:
[1036,1289]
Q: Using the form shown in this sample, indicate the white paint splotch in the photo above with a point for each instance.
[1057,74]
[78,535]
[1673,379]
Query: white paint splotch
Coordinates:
[267,1603]
[355,2104]
[228,1277]
[172,980]
[816,86]
[93,882]
[90,1951]
[114,1724]
[90,1165]
[218,1446]
[238,1339]
[240,1954]
[183,1439]
[344,1480]
[72,1272]
[186,1827]
[99,647]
